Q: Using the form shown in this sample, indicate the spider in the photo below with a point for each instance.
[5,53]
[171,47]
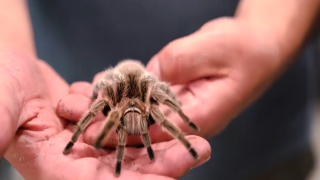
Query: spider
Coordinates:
[130,99]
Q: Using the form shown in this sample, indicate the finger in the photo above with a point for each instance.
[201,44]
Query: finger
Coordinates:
[155,177]
[73,106]
[99,170]
[211,111]
[97,77]
[85,88]
[125,175]
[194,54]
[171,158]
[175,160]
[82,169]
[190,104]
[107,172]
[81,87]
[77,102]
[63,87]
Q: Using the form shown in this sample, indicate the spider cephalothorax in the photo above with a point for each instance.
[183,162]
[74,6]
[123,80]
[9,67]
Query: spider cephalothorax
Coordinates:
[130,99]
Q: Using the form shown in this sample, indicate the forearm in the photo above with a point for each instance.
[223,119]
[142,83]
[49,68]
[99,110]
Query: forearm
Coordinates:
[287,22]
[16,31]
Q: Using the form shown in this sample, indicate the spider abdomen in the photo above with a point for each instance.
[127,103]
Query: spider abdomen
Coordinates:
[132,123]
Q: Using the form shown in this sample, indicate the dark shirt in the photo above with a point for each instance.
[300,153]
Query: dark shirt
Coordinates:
[80,38]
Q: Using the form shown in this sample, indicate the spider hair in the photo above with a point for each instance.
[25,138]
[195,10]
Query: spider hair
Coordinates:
[130,99]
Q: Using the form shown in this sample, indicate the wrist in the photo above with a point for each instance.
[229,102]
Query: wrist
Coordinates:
[15,67]
[287,23]
[11,100]
[274,38]
[255,42]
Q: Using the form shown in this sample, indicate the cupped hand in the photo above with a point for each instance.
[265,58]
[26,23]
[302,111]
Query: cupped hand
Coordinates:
[30,92]
[219,70]
[216,72]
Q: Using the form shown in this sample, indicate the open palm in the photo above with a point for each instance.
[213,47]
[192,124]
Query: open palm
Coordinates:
[37,158]
[36,150]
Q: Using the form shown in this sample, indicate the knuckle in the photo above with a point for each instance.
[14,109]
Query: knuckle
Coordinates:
[171,60]
[97,77]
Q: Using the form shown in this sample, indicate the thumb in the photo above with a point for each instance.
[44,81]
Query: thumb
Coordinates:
[175,61]
[186,59]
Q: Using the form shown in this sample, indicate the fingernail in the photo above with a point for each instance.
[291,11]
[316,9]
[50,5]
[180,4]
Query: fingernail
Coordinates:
[154,67]
[201,162]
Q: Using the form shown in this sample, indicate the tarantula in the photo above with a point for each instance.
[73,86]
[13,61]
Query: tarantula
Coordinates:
[130,97]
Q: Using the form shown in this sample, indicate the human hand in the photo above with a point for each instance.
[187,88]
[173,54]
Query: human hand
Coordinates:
[78,102]
[218,71]
[215,72]
[30,92]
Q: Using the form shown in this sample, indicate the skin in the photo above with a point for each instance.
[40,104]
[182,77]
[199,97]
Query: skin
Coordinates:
[233,61]
[227,49]
[32,136]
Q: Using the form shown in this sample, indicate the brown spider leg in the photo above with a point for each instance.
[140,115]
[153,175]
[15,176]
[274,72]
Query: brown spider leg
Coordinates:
[96,88]
[172,129]
[145,87]
[165,87]
[146,138]
[112,120]
[102,83]
[84,121]
[122,136]
[161,97]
